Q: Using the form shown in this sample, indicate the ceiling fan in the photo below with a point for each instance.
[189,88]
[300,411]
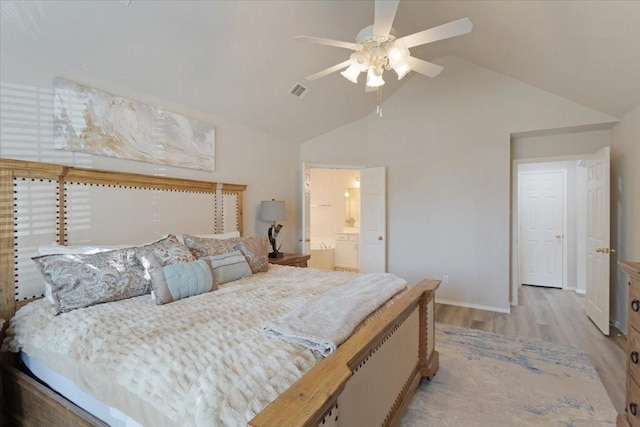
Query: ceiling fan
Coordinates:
[377,49]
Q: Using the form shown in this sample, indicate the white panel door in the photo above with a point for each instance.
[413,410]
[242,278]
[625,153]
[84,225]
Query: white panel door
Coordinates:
[373,220]
[542,228]
[305,222]
[598,181]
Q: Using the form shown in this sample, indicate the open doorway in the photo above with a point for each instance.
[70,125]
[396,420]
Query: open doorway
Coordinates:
[549,224]
[543,236]
[332,217]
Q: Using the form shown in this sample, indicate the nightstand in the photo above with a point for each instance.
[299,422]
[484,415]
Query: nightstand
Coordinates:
[294,260]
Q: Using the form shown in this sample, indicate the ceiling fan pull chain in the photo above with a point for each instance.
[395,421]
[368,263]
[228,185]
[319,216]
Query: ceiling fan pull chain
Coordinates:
[379,109]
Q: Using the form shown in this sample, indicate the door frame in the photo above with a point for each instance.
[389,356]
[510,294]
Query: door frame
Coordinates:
[515,212]
[303,208]
[564,221]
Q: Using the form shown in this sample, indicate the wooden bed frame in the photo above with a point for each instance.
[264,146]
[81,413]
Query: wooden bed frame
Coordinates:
[367,381]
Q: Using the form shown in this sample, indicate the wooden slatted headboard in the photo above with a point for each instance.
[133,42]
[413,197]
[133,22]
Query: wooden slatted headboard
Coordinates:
[225,215]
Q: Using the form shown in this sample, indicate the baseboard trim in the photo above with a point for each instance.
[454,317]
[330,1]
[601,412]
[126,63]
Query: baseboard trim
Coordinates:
[476,306]
[581,291]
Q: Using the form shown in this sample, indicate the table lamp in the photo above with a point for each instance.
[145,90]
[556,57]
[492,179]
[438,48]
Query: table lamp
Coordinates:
[273,211]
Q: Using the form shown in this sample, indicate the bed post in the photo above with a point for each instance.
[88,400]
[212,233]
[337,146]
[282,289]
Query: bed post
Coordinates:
[429,358]
[7,297]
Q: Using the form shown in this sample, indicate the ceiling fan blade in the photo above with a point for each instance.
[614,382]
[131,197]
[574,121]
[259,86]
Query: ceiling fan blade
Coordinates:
[444,31]
[385,12]
[329,70]
[328,42]
[423,67]
[370,88]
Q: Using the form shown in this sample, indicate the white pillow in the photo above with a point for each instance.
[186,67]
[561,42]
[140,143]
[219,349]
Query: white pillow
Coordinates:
[220,236]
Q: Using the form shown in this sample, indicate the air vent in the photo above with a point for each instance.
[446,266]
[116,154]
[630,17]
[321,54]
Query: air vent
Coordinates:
[299,91]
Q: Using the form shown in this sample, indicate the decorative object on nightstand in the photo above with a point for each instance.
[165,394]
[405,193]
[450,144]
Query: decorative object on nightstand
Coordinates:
[295,260]
[631,416]
[273,211]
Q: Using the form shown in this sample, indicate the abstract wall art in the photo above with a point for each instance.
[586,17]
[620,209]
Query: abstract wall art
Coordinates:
[92,121]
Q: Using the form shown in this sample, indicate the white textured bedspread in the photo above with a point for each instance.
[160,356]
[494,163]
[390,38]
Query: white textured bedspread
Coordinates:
[198,361]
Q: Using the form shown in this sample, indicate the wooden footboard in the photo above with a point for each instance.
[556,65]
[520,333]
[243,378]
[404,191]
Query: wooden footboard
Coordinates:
[370,378]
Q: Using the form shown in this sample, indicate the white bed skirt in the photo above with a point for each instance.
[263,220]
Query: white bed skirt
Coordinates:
[81,398]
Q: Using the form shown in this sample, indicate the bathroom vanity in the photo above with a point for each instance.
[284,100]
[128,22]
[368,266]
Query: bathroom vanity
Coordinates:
[346,252]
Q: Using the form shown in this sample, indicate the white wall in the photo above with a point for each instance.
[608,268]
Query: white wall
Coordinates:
[446,145]
[625,207]
[346,145]
[264,162]
[564,144]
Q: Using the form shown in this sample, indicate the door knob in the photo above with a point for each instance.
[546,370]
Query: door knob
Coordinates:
[558,236]
[379,237]
[599,250]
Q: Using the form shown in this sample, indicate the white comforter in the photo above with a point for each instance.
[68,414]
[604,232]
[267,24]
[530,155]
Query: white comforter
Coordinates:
[199,361]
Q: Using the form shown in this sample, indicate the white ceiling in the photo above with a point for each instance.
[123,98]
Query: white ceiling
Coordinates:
[238,59]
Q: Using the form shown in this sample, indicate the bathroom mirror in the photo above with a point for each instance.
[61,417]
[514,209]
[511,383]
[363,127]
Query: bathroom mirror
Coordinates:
[352,207]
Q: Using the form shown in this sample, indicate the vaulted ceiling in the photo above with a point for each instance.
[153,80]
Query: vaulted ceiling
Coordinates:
[238,59]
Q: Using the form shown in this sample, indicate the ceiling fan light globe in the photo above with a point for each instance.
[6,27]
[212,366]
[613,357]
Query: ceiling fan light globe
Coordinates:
[360,60]
[402,70]
[394,55]
[351,73]
[397,52]
[374,79]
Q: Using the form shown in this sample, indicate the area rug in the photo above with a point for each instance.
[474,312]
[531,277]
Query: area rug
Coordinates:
[487,379]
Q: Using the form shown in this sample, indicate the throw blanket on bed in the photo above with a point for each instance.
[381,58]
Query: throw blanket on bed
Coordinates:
[323,323]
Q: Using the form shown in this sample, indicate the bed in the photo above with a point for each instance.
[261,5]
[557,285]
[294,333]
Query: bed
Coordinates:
[368,380]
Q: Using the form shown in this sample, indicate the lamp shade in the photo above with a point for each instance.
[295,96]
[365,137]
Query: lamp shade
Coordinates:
[272,210]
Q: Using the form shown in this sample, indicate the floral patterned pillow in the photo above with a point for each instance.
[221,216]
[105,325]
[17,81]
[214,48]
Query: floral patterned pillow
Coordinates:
[82,280]
[256,250]
[202,246]
[168,250]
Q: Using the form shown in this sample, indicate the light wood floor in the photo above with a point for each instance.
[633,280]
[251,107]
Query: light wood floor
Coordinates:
[557,316]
